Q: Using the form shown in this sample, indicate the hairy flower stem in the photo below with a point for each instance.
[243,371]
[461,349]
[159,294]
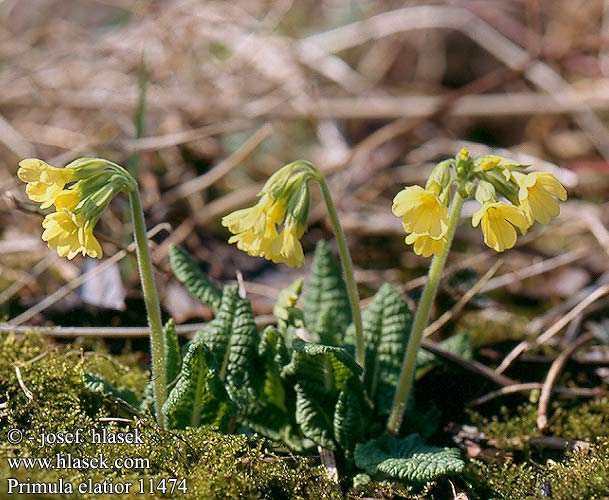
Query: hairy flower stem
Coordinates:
[420,321]
[152,304]
[345,259]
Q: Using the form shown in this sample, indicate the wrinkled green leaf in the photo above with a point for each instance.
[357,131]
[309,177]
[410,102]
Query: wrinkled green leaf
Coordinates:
[274,356]
[233,338]
[386,322]
[325,297]
[408,458]
[350,416]
[268,414]
[123,395]
[173,358]
[188,272]
[327,387]
[314,415]
[199,397]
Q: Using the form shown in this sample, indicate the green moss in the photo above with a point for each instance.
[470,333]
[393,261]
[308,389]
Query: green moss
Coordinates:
[579,476]
[217,466]
[573,421]
[569,475]
[214,466]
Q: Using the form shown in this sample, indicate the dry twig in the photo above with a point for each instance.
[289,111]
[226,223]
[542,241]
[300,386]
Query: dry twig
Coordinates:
[553,373]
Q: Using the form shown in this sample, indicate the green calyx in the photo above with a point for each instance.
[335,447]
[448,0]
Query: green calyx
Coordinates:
[506,187]
[298,205]
[98,181]
[288,179]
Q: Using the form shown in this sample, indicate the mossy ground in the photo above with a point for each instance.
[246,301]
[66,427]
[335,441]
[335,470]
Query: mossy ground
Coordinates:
[217,466]
[539,472]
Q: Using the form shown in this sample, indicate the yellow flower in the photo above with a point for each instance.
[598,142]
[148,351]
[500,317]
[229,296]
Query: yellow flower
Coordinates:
[68,199]
[425,245]
[255,232]
[66,233]
[44,182]
[498,221]
[273,227]
[291,250]
[422,211]
[267,212]
[536,195]
[88,242]
[265,245]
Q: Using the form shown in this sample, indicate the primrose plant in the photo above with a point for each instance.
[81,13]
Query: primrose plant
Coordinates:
[509,199]
[325,374]
[80,192]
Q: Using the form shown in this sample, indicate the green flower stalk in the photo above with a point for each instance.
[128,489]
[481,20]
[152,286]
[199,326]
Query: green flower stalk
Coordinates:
[284,204]
[430,219]
[81,192]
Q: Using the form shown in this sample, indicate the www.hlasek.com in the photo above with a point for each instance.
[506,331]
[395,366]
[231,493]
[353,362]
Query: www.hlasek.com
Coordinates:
[67,461]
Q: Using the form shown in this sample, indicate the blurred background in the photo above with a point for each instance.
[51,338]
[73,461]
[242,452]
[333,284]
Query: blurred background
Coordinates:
[204,100]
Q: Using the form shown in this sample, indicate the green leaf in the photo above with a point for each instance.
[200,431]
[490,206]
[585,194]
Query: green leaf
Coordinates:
[349,418]
[408,458]
[325,297]
[233,338]
[285,309]
[387,322]
[315,415]
[123,395]
[326,383]
[328,327]
[173,359]
[199,397]
[307,356]
[249,365]
[274,356]
[188,272]
[267,412]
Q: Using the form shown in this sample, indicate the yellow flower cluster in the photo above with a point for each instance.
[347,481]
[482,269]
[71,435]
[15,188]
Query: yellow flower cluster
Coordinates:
[283,201]
[273,227]
[80,193]
[64,230]
[530,198]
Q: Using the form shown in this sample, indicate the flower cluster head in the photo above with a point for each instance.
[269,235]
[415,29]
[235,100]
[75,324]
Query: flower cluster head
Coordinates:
[273,227]
[80,193]
[510,200]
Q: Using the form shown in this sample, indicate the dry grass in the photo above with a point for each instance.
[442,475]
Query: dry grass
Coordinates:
[373,92]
